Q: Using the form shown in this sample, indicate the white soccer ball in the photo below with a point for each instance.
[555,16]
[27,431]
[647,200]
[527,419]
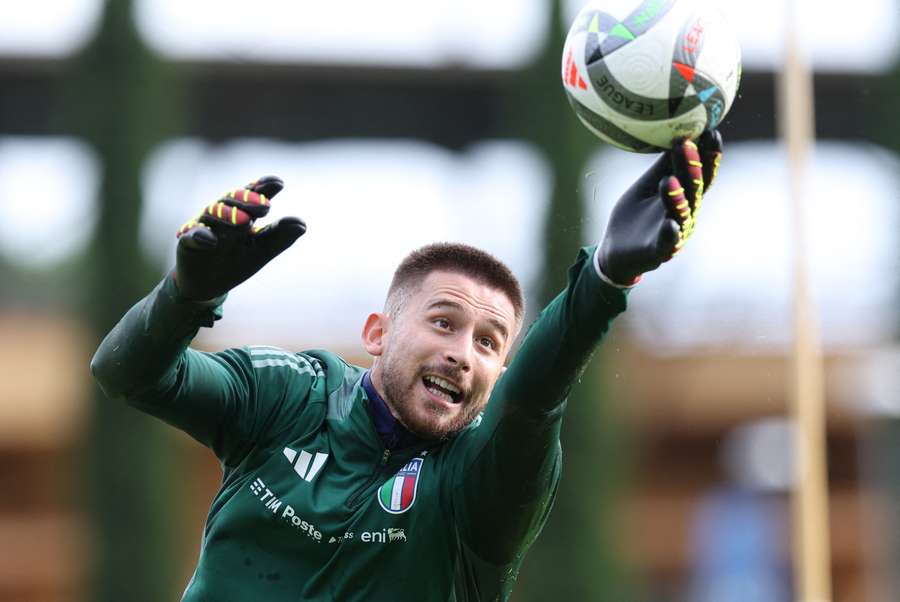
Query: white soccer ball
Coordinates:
[642,73]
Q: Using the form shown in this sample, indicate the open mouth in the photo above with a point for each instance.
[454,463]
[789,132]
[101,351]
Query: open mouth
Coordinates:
[442,388]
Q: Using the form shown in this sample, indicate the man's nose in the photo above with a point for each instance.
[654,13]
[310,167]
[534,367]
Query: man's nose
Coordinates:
[460,354]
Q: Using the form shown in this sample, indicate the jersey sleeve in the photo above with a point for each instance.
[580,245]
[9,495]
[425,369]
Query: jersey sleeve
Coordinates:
[228,400]
[510,462]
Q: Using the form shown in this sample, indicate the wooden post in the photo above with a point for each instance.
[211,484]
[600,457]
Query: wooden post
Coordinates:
[812,557]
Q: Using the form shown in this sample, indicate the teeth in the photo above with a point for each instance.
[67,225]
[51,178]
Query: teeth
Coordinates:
[443,395]
[443,384]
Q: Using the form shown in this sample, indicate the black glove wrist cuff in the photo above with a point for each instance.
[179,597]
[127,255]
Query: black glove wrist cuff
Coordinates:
[177,294]
[607,279]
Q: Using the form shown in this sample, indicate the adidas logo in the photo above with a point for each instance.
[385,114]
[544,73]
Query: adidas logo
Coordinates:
[306,466]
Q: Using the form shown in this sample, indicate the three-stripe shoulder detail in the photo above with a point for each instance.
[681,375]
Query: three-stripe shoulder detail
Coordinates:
[273,357]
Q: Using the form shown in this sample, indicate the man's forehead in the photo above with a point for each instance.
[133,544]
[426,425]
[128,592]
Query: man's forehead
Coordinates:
[449,288]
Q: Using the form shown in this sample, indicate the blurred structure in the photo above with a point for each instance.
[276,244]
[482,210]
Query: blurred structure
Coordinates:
[737,529]
[98,502]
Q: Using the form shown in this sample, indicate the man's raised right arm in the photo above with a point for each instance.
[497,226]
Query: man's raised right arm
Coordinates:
[145,359]
[142,353]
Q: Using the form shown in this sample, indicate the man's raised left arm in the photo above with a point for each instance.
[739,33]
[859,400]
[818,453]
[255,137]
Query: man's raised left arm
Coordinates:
[507,481]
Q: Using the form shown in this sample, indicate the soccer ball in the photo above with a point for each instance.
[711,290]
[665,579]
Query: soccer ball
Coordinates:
[641,73]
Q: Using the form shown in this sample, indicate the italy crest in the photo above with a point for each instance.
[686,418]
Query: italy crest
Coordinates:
[398,493]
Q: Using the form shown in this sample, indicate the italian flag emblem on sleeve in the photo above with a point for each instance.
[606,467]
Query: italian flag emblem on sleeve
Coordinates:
[399,492]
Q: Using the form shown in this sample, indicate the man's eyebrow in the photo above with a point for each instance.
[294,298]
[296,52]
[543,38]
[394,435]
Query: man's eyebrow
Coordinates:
[500,326]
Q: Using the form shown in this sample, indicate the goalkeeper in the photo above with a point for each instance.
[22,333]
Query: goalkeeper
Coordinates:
[424,478]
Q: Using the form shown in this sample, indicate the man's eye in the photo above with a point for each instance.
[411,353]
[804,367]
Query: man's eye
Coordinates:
[442,323]
[488,342]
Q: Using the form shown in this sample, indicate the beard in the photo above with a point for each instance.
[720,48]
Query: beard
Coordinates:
[427,421]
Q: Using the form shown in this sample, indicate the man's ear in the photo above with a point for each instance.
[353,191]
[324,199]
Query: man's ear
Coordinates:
[374,333]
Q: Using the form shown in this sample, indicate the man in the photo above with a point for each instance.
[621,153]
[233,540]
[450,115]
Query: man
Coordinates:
[424,478]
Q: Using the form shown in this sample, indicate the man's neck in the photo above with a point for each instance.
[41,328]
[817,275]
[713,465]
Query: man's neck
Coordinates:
[393,434]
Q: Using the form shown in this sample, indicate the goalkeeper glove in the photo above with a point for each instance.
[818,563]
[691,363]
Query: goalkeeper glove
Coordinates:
[655,217]
[221,247]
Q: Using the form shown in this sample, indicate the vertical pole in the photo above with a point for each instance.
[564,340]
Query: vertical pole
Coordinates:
[810,496]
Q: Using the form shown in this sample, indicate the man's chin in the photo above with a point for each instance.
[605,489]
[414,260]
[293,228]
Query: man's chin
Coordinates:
[430,429]
[437,424]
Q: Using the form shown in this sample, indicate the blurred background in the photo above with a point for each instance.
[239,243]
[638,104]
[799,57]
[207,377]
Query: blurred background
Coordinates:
[398,124]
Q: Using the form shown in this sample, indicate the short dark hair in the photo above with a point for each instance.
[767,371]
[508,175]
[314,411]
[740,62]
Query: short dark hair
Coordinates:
[457,258]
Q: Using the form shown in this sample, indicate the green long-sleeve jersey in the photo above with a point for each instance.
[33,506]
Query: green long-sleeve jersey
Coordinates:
[312,506]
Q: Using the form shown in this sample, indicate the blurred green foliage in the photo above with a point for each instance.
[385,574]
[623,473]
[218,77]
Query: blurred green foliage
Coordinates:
[122,101]
[574,558]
